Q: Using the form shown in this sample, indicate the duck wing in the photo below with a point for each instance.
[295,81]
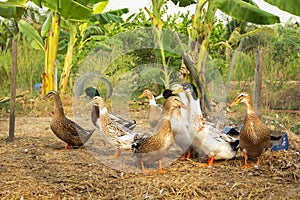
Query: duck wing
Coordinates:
[154,115]
[128,124]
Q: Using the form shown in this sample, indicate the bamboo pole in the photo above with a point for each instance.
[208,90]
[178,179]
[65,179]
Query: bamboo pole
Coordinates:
[13,86]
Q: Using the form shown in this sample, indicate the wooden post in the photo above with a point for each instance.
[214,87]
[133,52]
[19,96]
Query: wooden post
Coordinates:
[258,81]
[13,86]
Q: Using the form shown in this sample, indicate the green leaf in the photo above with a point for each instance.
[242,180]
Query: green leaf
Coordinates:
[69,9]
[245,11]
[13,3]
[99,7]
[11,12]
[46,25]
[99,38]
[292,7]
[107,17]
[184,3]
[31,35]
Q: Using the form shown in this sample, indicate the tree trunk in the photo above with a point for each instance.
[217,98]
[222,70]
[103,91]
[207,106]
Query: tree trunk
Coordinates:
[68,59]
[50,54]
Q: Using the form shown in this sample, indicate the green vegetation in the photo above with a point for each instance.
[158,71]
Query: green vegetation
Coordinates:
[232,48]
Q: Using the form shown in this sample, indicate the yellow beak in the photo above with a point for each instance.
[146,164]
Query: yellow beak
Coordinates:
[142,95]
[177,91]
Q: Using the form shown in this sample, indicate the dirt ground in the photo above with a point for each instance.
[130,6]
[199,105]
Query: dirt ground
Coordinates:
[36,166]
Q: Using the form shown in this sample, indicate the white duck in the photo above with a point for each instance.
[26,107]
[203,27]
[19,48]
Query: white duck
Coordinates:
[179,122]
[206,138]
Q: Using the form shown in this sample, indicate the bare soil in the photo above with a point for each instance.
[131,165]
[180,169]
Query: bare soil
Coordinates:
[36,166]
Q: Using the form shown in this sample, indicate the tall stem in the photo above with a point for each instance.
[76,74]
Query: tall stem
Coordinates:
[51,53]
[68,59]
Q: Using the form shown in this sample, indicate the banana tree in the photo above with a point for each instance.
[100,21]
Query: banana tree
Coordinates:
[202,24]
[78,35]
[73,27]
[157,24]
[71,11]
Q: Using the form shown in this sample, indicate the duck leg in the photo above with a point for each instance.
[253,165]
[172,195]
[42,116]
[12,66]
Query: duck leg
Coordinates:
[117,153]
[67,146]
[187,155]
[144,170]
[246,165]
[160,170]
[209,163]
[258,160]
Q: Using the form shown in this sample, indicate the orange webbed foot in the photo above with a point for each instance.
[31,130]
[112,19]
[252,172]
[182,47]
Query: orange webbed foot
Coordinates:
[209,163]
[117,154]
[147,171]
[161,171]
[246,166]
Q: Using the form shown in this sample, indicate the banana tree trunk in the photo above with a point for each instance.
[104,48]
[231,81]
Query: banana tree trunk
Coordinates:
[68,59]
[201,31]
[50,54]
[157,25]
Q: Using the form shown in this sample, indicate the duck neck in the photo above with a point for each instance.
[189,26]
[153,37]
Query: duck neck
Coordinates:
[250,109]
[104,116]
[97,111]
[58,110]
[152,101]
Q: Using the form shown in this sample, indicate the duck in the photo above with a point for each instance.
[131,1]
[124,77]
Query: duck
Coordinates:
[65,129]
[155,111]
[207,140]
[152,147]
[254,135]
[91,92]
[113,132]
[179,122]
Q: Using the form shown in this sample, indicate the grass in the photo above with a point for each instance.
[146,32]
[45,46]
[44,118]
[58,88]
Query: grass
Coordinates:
[30,66]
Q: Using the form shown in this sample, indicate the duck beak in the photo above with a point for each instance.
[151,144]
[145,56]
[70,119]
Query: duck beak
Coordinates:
[142,95]
[235,102]
[177,91]
[45,97]
[83,95]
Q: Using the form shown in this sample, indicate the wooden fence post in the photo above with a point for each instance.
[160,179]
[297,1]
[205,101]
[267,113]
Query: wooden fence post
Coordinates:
[258,81]
[13,86]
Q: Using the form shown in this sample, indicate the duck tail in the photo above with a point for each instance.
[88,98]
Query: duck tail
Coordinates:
[135,145]
[130,125]
[235,144]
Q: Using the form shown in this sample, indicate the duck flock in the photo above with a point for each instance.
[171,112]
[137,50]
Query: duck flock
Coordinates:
[179,120]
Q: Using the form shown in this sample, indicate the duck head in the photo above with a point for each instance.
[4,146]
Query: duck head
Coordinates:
[244,97]
[91,92]
[191,89]
[51,94]
[98,101]
[176,88]
[167,93]
[147,93]
[172,103]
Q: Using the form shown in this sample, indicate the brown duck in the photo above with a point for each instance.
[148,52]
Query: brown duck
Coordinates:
[155,111]
[65,129]
[254,136]
[153,146]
